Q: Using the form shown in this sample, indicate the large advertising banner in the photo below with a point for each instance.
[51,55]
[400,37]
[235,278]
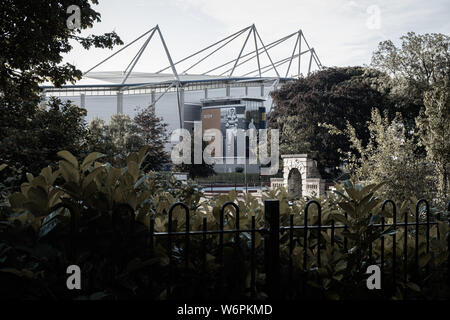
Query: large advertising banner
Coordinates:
[229,120]
[210,119]
[232,119]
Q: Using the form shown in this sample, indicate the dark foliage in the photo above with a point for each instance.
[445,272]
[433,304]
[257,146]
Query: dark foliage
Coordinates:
[196,170]
[33,39]
[34,143]
[153,132]
[335,96]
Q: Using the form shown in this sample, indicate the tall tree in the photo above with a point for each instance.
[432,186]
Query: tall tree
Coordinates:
[420,69]
[54,127]
[416,66]
[335,96]
[389,156]
[196,170]
[123,135]
[34,36]
[153,132]
[433,130]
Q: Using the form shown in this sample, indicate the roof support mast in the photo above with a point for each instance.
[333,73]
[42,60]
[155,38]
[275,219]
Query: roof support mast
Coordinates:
[259,48]
[310,61]
[208,47]
[300,35]
[177,79]
[136,58]
[172,65]
[267,52]
[242,50]
[256,50]
[292,57]
[119,51]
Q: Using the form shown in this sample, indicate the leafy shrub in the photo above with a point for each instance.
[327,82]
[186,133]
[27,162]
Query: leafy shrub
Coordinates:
[98,217]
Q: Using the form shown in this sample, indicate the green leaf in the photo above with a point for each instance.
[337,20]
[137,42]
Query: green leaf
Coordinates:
[133,170]
[341,195]
[49,227]
[69,173]
[24,273]
[341,266]
[47,173]
[424,260]
[91,159]
[389,232]
[17,200]
[113,175]
[337,217]
[258,239]
[98,296]
[216,214]
[133,157]
[3,167]
[91,176]
[142,154]
[347,208]
[39,196]
[30,177]
[66,155]
[413,286]
[354,194]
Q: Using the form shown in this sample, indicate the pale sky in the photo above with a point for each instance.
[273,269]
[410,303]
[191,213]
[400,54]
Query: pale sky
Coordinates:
[342,32]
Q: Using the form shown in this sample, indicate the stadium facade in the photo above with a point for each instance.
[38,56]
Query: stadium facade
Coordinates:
[183,98]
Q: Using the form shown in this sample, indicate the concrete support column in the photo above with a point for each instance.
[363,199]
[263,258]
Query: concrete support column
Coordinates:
[83,101]
[228,90]
[246,91]
[153,100]
[206,93]
[43,100]
[181,108]
[262,90]
[119,102]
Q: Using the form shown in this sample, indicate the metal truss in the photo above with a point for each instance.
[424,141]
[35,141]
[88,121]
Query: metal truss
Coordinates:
[232,65]
[227,70]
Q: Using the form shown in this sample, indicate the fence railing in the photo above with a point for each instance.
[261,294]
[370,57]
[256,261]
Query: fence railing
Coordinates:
[271,233]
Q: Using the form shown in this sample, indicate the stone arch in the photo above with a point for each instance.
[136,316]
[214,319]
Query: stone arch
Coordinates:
[295,182]
[301,176]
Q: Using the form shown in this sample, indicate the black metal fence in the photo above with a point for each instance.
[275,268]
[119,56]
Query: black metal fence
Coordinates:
[272,230]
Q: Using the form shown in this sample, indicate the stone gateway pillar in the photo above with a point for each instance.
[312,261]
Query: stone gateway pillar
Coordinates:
[301,176]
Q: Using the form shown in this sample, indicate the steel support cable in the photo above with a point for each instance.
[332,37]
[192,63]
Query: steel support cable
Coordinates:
[204,49]
[132,61]
[242,50]
[277,64]
[267,52]
[210,54]
[318,62]
[114,54]
[169,57]
[269,46]
[293,53]
[136,60]
[257,52]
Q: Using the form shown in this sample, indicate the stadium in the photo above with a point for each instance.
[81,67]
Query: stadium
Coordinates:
[243,82]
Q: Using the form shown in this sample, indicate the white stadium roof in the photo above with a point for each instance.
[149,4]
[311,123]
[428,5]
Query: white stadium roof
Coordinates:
[225,72]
